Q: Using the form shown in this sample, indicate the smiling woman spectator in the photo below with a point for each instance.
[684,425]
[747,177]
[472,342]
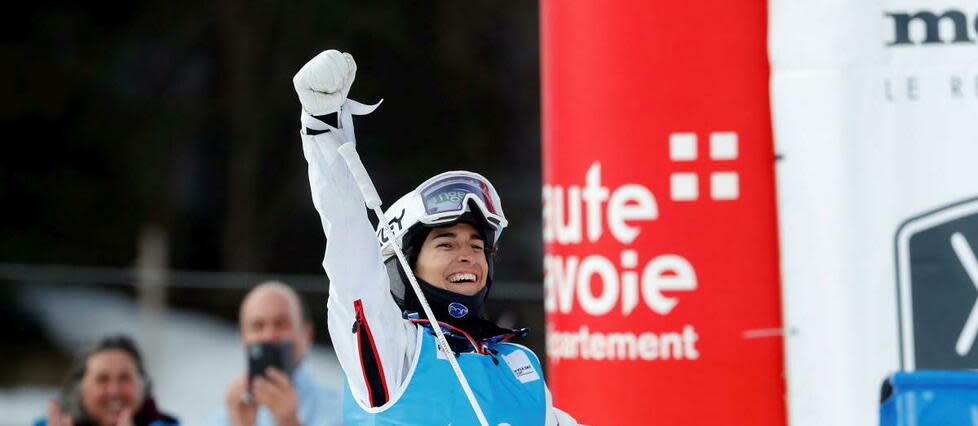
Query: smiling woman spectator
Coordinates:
[107,385]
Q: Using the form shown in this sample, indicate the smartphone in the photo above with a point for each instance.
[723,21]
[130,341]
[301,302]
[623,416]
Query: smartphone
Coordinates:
[264,355]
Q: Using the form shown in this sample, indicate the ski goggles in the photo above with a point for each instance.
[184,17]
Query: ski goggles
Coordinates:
[447,196]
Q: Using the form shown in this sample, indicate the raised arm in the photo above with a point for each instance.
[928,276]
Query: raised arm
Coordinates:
[370,337]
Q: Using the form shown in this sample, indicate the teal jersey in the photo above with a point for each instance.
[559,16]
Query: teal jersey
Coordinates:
[507,382]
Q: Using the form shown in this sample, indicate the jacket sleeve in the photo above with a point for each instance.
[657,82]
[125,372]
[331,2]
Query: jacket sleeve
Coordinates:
[371,339]
[556,416]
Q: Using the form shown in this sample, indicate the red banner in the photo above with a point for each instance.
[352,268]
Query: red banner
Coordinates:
[659,214]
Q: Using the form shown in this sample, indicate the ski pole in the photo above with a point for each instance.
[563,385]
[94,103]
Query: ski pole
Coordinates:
[349,153]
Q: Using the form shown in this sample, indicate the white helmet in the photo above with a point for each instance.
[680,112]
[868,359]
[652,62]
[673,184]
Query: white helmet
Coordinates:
[443,200]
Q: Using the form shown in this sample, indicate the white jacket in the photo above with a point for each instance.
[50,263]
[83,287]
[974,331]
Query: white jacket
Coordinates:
[354,265]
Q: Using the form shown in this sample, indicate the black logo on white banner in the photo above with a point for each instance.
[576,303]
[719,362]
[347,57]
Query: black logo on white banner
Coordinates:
[937,285]
[930,24]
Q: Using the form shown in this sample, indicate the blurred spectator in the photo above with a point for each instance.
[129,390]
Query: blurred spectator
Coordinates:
[107,385]
[272,313]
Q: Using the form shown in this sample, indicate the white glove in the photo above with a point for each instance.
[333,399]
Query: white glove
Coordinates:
[323,83]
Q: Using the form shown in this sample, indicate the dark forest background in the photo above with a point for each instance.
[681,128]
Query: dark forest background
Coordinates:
[181,116]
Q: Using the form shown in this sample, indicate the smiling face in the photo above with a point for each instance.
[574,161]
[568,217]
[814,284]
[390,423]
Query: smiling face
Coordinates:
[453,258]
[111,383]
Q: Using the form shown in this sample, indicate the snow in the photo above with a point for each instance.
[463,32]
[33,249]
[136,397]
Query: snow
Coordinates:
[191,357]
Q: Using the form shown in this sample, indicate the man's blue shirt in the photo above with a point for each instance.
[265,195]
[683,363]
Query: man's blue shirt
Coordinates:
[318,405]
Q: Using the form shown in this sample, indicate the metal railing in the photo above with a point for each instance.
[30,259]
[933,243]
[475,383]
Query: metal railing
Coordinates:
[176,278]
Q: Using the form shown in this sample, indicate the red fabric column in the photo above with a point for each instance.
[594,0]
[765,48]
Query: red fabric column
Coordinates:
[659,212]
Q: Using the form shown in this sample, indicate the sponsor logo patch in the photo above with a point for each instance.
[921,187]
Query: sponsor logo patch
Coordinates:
[457,310]
[522,369]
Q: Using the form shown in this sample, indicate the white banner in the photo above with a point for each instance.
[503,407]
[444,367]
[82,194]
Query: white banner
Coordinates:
[875,115]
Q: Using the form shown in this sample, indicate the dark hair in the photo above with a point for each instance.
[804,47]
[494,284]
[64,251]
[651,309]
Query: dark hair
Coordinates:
[70,396]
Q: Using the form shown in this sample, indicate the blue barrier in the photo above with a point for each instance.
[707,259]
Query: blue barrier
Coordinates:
[930,398]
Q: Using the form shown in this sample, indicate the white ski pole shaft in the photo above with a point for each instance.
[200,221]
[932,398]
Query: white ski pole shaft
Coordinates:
[372,200]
